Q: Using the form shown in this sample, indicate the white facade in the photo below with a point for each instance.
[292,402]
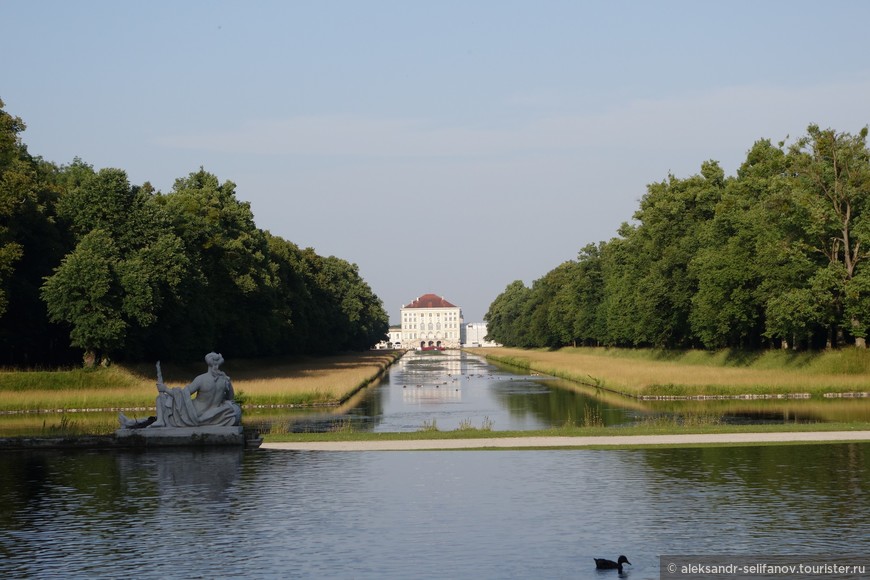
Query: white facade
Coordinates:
[430,321]
[394,340]
[474,335]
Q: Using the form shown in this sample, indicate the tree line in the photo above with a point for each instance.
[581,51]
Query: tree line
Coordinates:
[93,266]
[772,257]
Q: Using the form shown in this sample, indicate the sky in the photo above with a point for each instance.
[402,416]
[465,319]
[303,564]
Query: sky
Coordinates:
[446,147]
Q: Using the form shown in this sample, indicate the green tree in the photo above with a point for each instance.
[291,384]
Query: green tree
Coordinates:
[794,315]
[586,291]
[32,243]
[551,312]
[16,186]
[84,292]
[129,272]
[622,266]
[293,310]
[648,281]
[562,303]
[507,319]
[857,304]
[830,181]
[349,315]
[738,250]
[228,292]
[126,265]
[777,253]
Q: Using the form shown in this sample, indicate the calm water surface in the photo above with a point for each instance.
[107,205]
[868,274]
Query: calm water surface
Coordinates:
[451,389]
[468,514]
[459,514]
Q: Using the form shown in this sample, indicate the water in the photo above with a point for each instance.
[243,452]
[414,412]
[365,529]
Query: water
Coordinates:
[463,514]
[450,389]
[454,389]
[467,514]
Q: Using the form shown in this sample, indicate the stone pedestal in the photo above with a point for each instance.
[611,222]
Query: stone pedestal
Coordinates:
[181,436]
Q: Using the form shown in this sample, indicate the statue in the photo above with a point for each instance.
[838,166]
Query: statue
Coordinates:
[213,404]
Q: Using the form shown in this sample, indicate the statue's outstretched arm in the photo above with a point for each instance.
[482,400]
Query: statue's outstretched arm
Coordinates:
[161,386]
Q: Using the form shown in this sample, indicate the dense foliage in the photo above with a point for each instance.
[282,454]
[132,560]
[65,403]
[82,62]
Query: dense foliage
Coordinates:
[90,264]
[774,256]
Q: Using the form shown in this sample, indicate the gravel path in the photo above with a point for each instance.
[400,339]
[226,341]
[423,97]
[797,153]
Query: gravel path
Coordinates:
[545,442]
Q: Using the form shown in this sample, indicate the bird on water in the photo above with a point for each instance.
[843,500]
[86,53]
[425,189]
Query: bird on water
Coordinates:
[604,564]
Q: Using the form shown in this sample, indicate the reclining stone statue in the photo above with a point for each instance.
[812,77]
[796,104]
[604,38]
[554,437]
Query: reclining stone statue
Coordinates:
[212,405]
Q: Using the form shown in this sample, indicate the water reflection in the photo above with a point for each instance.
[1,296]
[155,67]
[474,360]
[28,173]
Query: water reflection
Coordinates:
[206,473]
[97,512]
[470,514]
[769,411]
[451,389]
[818,488]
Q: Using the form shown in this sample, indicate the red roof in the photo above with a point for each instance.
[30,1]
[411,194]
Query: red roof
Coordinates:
[430,301]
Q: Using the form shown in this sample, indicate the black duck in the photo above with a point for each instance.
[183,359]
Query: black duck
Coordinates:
[604,564]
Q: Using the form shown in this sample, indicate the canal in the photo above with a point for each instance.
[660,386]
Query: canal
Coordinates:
[227,513]
[452,390]
[426,515]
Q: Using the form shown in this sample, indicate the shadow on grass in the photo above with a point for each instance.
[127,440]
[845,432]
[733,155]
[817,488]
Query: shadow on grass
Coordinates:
[270,368]
[733,357]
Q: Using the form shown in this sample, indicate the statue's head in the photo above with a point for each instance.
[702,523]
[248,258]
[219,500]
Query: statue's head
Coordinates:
[214,358]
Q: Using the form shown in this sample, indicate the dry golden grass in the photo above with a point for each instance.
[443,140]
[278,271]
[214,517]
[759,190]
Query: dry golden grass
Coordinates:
[320,380]
[639,376]
[286,381]
[277,381]
[79,399]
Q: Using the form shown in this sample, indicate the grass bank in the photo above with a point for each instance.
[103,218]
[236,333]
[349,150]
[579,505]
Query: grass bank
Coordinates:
[656,373]
[262,382]
[642,428]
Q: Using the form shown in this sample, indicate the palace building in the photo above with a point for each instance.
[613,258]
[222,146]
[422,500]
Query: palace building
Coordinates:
[430,322]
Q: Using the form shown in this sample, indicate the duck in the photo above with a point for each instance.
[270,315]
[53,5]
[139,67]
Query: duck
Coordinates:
[604,564]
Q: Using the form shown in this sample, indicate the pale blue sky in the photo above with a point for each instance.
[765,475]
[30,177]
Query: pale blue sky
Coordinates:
[445,147]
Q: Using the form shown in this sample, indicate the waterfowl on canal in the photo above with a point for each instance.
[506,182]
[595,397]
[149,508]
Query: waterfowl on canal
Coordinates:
[604,564]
